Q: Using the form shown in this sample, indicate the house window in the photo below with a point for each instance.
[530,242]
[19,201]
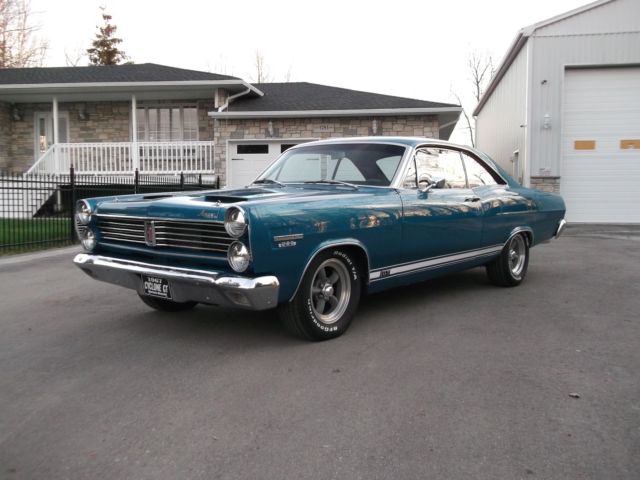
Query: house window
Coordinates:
[167,124]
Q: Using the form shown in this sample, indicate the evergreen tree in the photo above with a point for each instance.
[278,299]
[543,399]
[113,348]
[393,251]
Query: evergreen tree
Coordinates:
[105,49]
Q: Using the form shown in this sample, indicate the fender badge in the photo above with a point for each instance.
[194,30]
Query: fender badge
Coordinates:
[209,215]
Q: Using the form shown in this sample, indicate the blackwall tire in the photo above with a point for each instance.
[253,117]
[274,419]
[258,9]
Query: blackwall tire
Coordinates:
[327,298]
[510,268]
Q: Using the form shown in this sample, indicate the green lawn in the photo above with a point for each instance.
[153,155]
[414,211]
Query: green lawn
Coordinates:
[17,235]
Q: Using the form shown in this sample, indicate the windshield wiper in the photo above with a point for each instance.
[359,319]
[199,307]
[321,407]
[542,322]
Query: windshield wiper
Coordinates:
[334,182]
[268,180]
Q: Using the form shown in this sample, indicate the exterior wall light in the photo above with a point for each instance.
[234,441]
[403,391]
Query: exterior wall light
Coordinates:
[546,121]
[16,114]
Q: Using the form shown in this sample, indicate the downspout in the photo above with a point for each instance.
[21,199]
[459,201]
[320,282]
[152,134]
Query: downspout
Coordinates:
[231,98]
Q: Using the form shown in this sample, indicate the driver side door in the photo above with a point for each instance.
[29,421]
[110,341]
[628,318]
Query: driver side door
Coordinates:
[440,224]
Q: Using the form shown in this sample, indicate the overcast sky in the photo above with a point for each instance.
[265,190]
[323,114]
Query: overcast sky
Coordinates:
[415,49]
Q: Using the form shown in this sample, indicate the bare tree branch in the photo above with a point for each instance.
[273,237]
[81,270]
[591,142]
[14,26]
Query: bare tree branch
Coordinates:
[73,58]
[19,44]
[262,70]
[480,73]
[470,125]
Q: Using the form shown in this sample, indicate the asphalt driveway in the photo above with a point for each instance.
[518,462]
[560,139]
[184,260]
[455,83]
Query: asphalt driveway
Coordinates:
[452,378]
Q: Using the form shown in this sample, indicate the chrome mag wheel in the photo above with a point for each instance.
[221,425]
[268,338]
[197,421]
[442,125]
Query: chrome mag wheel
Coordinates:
[330,291]
[517,255]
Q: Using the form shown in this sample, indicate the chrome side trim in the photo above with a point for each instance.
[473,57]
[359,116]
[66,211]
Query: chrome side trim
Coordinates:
[187,284]
[432,262]
[284,238]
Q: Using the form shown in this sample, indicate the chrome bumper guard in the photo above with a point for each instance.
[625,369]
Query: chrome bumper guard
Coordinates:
[216,288]
[561,224]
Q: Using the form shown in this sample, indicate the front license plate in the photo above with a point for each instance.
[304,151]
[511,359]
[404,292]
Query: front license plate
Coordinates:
[156,287]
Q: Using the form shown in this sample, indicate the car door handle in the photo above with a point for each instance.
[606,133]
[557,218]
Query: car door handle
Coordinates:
[472,199]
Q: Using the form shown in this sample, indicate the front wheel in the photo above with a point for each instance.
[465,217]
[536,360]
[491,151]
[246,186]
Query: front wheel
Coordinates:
[510,268]
[166,305]
[327,298]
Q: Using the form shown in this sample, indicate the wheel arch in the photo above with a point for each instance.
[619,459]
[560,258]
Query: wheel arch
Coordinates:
[354,246]
[528,233]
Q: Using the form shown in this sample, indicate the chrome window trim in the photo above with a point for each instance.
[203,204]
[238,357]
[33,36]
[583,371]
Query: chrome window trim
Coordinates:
[450,146]
[341,141]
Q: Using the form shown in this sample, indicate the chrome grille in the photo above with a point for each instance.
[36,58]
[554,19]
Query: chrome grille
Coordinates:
[210,236]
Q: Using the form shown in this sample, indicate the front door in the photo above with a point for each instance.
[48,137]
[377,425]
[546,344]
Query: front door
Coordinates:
[44,131]
[441,225]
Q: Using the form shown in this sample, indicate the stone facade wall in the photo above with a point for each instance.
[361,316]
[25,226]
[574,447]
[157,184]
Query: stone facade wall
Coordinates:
[103,122]
[110,122]
[546,184]
[309,128]
[5,135]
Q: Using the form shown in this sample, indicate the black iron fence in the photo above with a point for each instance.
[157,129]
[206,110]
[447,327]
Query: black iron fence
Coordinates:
[36,211]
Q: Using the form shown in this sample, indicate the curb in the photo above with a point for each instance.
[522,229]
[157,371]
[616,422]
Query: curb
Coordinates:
[27,257]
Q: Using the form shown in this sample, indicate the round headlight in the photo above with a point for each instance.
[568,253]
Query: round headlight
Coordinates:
[88,240]
[238,256]
[83,212]
[235,222]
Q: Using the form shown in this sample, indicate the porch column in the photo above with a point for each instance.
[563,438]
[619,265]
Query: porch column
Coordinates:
[134,134]
[56,138]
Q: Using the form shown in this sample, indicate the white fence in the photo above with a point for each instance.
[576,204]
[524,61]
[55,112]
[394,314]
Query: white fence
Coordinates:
[125,157]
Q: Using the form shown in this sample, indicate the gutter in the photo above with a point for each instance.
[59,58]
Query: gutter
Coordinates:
[163,83]
[521,38]
[379,112]
[223,107]
[512,53]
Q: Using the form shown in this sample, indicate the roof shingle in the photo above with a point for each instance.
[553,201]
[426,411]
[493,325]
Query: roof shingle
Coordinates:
[141,72]
[300,96]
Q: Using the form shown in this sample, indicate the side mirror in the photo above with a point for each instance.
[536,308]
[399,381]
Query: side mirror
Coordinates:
[427,182]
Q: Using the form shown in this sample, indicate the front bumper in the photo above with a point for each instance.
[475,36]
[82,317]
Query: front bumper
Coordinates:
[216,288]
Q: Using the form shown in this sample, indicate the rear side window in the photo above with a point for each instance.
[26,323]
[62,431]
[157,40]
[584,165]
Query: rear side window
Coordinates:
[477,174]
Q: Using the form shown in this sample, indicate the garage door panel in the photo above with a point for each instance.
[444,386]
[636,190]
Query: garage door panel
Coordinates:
[250,158]
[602,105]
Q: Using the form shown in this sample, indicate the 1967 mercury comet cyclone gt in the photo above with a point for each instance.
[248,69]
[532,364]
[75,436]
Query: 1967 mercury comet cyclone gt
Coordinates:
[326,222]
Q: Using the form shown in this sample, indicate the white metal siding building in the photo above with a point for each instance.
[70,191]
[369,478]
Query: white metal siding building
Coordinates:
[562,112]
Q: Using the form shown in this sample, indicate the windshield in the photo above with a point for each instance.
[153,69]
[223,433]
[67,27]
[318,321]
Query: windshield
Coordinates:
[357,164]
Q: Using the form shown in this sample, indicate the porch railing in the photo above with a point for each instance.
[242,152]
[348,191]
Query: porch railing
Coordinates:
[126,157]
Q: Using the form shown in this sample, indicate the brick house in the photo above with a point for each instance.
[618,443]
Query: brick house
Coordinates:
[164,120]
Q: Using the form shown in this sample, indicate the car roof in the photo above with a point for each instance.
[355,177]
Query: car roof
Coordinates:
[408,141]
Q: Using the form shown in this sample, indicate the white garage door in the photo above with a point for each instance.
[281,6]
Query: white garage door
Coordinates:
[601,145]
[248,159]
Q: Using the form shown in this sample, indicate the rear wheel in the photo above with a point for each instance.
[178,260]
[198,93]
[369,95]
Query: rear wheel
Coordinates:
[166,305]
[510,268]
[327,298]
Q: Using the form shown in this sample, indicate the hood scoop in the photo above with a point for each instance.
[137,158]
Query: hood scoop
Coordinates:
[223,199]
[157,196]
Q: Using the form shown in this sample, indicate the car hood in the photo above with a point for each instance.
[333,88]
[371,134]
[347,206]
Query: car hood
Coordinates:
[211,205]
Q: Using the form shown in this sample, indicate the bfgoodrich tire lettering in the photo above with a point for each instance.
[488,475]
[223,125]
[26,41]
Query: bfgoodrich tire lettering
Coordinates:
[327,298]
[510,268]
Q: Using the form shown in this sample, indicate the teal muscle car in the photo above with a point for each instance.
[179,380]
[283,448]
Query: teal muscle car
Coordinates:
[325,223]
